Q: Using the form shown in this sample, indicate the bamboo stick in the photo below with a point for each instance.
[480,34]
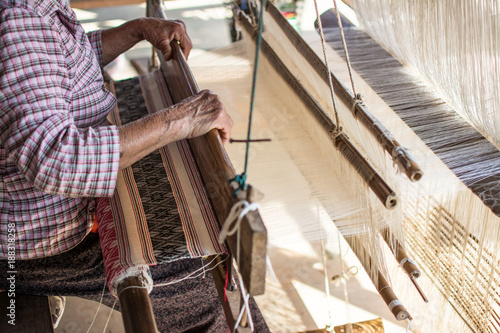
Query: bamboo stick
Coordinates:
[384,289]
[409,266]
[135,305]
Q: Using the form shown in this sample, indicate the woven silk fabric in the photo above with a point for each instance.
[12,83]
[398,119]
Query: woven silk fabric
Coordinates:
[160,210]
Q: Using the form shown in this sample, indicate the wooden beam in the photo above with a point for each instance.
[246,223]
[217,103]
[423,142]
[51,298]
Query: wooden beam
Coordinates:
[384,289]
[360,111]
[372,178]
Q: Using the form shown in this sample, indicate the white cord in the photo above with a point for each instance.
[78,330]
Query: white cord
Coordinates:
[98,307]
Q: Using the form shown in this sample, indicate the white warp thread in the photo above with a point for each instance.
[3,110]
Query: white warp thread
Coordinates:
[230,227]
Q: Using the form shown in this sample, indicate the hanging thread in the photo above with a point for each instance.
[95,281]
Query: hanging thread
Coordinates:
[230,227]
[330,82]
[344,45]
[98,307]
[241,179]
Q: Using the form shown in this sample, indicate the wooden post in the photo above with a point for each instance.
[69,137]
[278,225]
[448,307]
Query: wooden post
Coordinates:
[135,305]
[30,314]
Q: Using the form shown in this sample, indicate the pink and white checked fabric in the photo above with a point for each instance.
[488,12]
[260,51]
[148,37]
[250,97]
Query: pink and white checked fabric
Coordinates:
[55,154]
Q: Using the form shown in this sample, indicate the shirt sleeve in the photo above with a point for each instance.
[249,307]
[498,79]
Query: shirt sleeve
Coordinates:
[96,42]
[37,131]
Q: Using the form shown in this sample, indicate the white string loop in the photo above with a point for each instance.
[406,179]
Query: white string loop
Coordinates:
[233,220]
[407,259]
[245,307]
[230,227]
[404,153]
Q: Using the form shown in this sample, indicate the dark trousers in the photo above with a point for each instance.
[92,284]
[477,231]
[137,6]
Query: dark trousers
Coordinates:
[191,305]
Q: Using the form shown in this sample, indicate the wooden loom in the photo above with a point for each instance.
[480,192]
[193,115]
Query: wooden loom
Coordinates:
[216,171]
[438,213]
[429,220]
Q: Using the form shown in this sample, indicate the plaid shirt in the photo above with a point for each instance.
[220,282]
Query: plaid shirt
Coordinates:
[55,154]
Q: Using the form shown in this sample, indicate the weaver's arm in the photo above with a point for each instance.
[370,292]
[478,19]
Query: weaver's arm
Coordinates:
[192,117]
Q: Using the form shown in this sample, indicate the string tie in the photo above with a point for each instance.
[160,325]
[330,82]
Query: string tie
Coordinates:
[358,100]
[241,180]
[335,131]
[394,303]
[234,218]
[230,227]
[400,158]
[407,259]
[351,271]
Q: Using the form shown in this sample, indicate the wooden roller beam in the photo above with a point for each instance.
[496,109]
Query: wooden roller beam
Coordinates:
[216,170]
[135,305]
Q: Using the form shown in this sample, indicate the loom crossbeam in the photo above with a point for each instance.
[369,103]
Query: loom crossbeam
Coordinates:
[351,154]
[456,137]
[452,234]
[378,185]
[136,306]
[399,154]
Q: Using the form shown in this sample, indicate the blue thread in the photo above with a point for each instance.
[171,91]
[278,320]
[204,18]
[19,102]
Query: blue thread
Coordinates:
[241,179]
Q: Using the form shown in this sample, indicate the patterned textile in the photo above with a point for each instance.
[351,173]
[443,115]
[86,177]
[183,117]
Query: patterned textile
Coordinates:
[54,155]
[160,202]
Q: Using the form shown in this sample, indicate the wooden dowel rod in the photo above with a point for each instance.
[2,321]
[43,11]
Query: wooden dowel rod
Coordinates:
[378,130]
[385,194]
[230,299]
[384,289]
[400,254]
[135,306]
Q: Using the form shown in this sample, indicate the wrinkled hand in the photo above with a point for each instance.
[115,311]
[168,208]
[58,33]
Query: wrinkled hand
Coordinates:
[198,114]
[161,33]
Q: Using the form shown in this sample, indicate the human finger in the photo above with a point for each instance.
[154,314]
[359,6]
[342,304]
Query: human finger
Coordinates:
[183,38]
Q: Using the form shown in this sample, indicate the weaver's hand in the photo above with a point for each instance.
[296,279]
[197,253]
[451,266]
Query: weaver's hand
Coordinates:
[198,114]
[161,32]
[190,118]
